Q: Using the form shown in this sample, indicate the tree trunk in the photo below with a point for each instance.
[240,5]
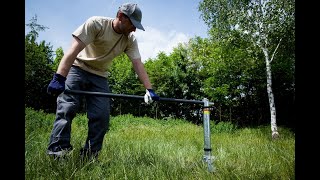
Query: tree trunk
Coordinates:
[274,129]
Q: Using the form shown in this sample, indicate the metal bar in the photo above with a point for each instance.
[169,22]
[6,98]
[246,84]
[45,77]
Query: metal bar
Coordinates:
[207,136]
[67,91]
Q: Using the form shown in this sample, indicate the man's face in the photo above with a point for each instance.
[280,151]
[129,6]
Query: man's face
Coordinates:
[126,25]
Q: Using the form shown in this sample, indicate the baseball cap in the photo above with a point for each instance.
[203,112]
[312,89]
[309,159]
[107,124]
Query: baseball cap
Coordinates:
[134,13]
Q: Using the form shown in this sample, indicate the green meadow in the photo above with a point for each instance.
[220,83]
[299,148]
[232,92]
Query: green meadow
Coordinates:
[138,148]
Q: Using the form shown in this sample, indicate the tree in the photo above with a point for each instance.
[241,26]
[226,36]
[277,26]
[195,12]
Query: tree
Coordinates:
[263,22]
[123,80]
[38,72]
[57,59]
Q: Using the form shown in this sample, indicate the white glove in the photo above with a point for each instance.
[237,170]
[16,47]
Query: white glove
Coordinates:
[147,97]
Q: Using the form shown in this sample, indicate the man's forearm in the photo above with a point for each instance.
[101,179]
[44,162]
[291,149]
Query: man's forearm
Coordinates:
[65,65]
[68,59]
[142,74]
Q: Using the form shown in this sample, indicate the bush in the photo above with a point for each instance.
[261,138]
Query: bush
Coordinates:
[222,127]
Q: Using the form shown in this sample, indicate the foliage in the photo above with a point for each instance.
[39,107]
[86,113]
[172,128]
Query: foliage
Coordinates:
[38,72]
[222,127]
[176,76]
[257,19]
[57,59]
[35,28]
[253,26]
[123,80]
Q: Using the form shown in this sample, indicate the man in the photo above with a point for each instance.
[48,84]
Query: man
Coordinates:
[84,67]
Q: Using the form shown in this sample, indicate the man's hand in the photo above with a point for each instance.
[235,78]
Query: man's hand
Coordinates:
[150,96]
[57,84]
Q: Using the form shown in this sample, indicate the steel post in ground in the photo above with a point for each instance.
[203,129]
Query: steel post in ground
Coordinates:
[207,136]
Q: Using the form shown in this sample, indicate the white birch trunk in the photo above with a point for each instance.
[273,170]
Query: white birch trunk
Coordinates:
[262,42]
[274,129]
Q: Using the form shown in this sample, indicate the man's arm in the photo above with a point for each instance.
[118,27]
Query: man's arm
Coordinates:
[142,74]
[67,60]
[144,78]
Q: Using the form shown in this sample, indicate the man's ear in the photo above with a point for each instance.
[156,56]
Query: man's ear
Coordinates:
[121,15]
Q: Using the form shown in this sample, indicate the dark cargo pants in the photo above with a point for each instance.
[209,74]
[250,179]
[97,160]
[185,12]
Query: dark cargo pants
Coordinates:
[97,107]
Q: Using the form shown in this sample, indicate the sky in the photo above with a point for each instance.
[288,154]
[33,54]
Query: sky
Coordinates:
[166,22]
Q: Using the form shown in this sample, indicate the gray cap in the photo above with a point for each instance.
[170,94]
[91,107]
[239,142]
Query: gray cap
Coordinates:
[134,13]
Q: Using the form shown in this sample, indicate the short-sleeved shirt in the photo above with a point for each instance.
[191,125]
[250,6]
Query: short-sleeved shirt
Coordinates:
[103,44]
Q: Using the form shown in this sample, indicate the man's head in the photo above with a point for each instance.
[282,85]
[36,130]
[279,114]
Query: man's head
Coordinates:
[133,12]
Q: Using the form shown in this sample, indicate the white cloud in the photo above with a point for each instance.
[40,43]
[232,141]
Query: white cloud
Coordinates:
[152,41]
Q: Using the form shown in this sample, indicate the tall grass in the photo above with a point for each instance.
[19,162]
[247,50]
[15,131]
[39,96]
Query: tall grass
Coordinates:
[145,148]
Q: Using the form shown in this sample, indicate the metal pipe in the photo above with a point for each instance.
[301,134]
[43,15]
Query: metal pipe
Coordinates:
[207,136]
[67,91]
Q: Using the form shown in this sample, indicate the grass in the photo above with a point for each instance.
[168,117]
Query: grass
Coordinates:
[145,148]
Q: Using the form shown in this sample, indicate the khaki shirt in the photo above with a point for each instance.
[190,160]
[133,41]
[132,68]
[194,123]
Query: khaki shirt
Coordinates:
[103,44]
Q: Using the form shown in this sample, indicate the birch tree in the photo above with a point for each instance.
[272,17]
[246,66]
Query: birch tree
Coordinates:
[263,22]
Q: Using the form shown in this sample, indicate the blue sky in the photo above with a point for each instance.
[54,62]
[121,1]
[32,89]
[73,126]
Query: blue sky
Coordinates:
[167,22]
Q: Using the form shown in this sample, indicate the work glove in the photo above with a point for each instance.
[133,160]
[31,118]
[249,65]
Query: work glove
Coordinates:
[150,96]
[56,85]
